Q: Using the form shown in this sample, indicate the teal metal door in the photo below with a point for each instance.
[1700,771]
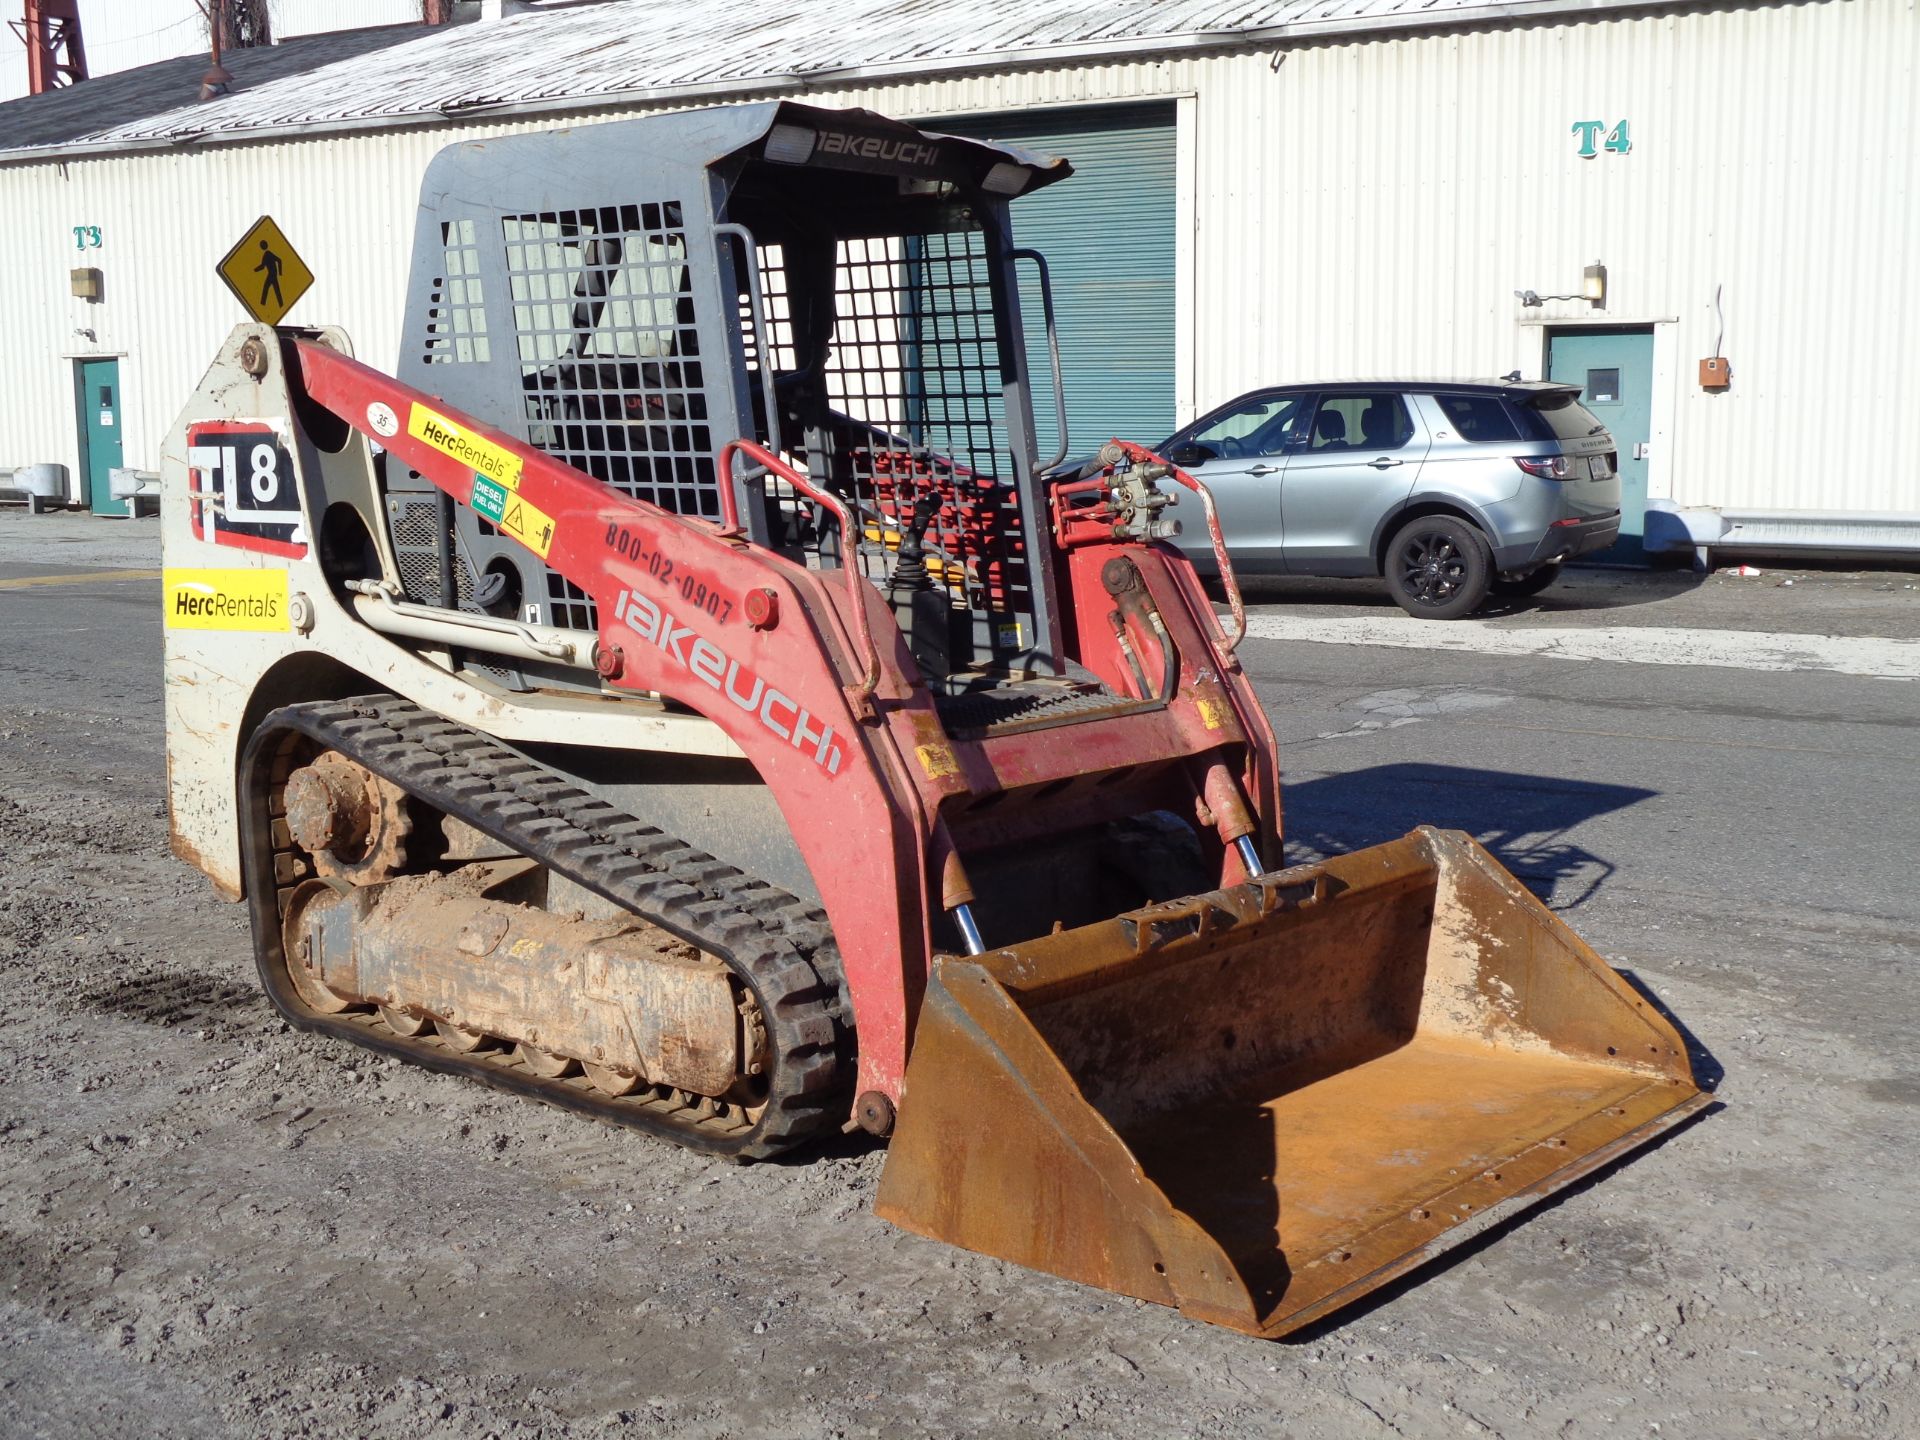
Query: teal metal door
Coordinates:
[97,392]
[1614,370]
[1108,235]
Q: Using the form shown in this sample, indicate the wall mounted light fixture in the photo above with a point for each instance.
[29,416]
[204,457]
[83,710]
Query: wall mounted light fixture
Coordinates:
[1593,290]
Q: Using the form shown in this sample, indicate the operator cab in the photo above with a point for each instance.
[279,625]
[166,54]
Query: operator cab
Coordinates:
[833,284]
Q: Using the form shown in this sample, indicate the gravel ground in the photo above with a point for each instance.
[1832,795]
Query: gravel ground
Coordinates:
[211,1225]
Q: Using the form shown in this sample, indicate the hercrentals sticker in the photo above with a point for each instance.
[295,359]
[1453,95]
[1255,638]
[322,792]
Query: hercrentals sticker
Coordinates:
[496,462]
[226,599]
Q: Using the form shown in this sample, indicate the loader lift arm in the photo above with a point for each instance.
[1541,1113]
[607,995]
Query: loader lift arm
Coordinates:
[863,763]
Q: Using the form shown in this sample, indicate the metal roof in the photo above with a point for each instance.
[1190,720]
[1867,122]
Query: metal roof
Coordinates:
[563,57]
[125,98]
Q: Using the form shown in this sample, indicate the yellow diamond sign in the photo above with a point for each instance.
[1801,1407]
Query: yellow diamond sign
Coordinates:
[265,273]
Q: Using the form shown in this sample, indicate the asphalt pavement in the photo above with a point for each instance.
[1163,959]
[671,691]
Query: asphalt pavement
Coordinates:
[1731,822]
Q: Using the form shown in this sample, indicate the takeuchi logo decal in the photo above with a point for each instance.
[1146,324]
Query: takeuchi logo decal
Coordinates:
[873,147]
[700,657]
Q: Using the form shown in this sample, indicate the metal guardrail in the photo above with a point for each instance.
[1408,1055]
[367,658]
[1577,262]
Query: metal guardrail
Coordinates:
[41,487]
[1673,528]
[136,487]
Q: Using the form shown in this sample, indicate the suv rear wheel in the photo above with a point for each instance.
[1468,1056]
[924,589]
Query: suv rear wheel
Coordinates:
[1438,568]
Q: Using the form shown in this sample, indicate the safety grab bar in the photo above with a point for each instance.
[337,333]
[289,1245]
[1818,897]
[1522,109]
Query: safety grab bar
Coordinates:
[772,464]
[1053,348]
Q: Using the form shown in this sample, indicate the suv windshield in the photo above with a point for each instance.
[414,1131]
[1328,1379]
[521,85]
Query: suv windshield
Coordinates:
[1259,425]
[1559,417]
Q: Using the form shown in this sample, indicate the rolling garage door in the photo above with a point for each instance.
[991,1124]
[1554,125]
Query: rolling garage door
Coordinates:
[1108,235]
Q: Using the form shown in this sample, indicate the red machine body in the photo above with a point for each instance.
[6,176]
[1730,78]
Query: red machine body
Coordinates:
[810,677]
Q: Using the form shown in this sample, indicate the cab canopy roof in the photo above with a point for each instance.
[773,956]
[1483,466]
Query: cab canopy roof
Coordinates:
[775,133]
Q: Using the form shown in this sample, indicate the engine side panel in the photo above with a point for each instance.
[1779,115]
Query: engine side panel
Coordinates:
[253,618]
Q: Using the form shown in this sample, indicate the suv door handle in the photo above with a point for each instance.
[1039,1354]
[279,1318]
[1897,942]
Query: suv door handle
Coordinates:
[1263,470]
[1383,463]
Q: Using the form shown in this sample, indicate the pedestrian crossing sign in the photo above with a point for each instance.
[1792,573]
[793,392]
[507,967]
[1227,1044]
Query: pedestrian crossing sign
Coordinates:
[265,273]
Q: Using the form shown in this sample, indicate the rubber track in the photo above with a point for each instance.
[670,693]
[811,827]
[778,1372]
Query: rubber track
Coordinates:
[780,945]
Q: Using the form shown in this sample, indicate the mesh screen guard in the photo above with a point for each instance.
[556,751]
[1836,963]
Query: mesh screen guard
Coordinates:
[609,351]
[613,331]
[905,401]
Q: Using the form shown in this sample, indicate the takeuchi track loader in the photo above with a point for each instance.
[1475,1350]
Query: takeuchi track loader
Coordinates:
[681,696]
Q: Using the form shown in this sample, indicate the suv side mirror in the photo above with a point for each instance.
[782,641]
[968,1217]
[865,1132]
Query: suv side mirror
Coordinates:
[1188,453]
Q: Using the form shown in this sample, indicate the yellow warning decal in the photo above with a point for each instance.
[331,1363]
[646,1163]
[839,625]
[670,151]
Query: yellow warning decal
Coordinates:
[532,527]
[226,599]
[1213,711]
[494,461]
[937,760]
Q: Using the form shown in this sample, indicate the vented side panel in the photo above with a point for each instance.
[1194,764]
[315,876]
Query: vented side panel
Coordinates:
[457,314]
[417,543]
[568,605]
[420,538]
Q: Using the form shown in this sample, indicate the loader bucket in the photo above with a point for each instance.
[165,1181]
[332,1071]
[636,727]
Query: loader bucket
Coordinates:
[1261,1103]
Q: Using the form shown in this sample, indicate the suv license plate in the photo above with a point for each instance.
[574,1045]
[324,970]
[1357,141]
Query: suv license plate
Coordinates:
[1597,467]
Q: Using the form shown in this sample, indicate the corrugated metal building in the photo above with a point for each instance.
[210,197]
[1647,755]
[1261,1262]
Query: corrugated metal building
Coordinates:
[1269,192]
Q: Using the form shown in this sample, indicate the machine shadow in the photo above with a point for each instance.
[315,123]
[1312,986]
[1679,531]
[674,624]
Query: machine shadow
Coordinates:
[1524,820]
[1219,1168]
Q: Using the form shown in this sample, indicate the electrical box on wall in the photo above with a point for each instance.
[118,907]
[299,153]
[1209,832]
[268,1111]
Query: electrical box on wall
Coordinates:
[86,283]
[1715,374]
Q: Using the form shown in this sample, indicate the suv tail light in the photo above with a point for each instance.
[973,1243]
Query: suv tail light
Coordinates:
[1547,467]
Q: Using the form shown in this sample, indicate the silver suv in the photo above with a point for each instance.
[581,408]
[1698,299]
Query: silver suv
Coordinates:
[1449,490]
